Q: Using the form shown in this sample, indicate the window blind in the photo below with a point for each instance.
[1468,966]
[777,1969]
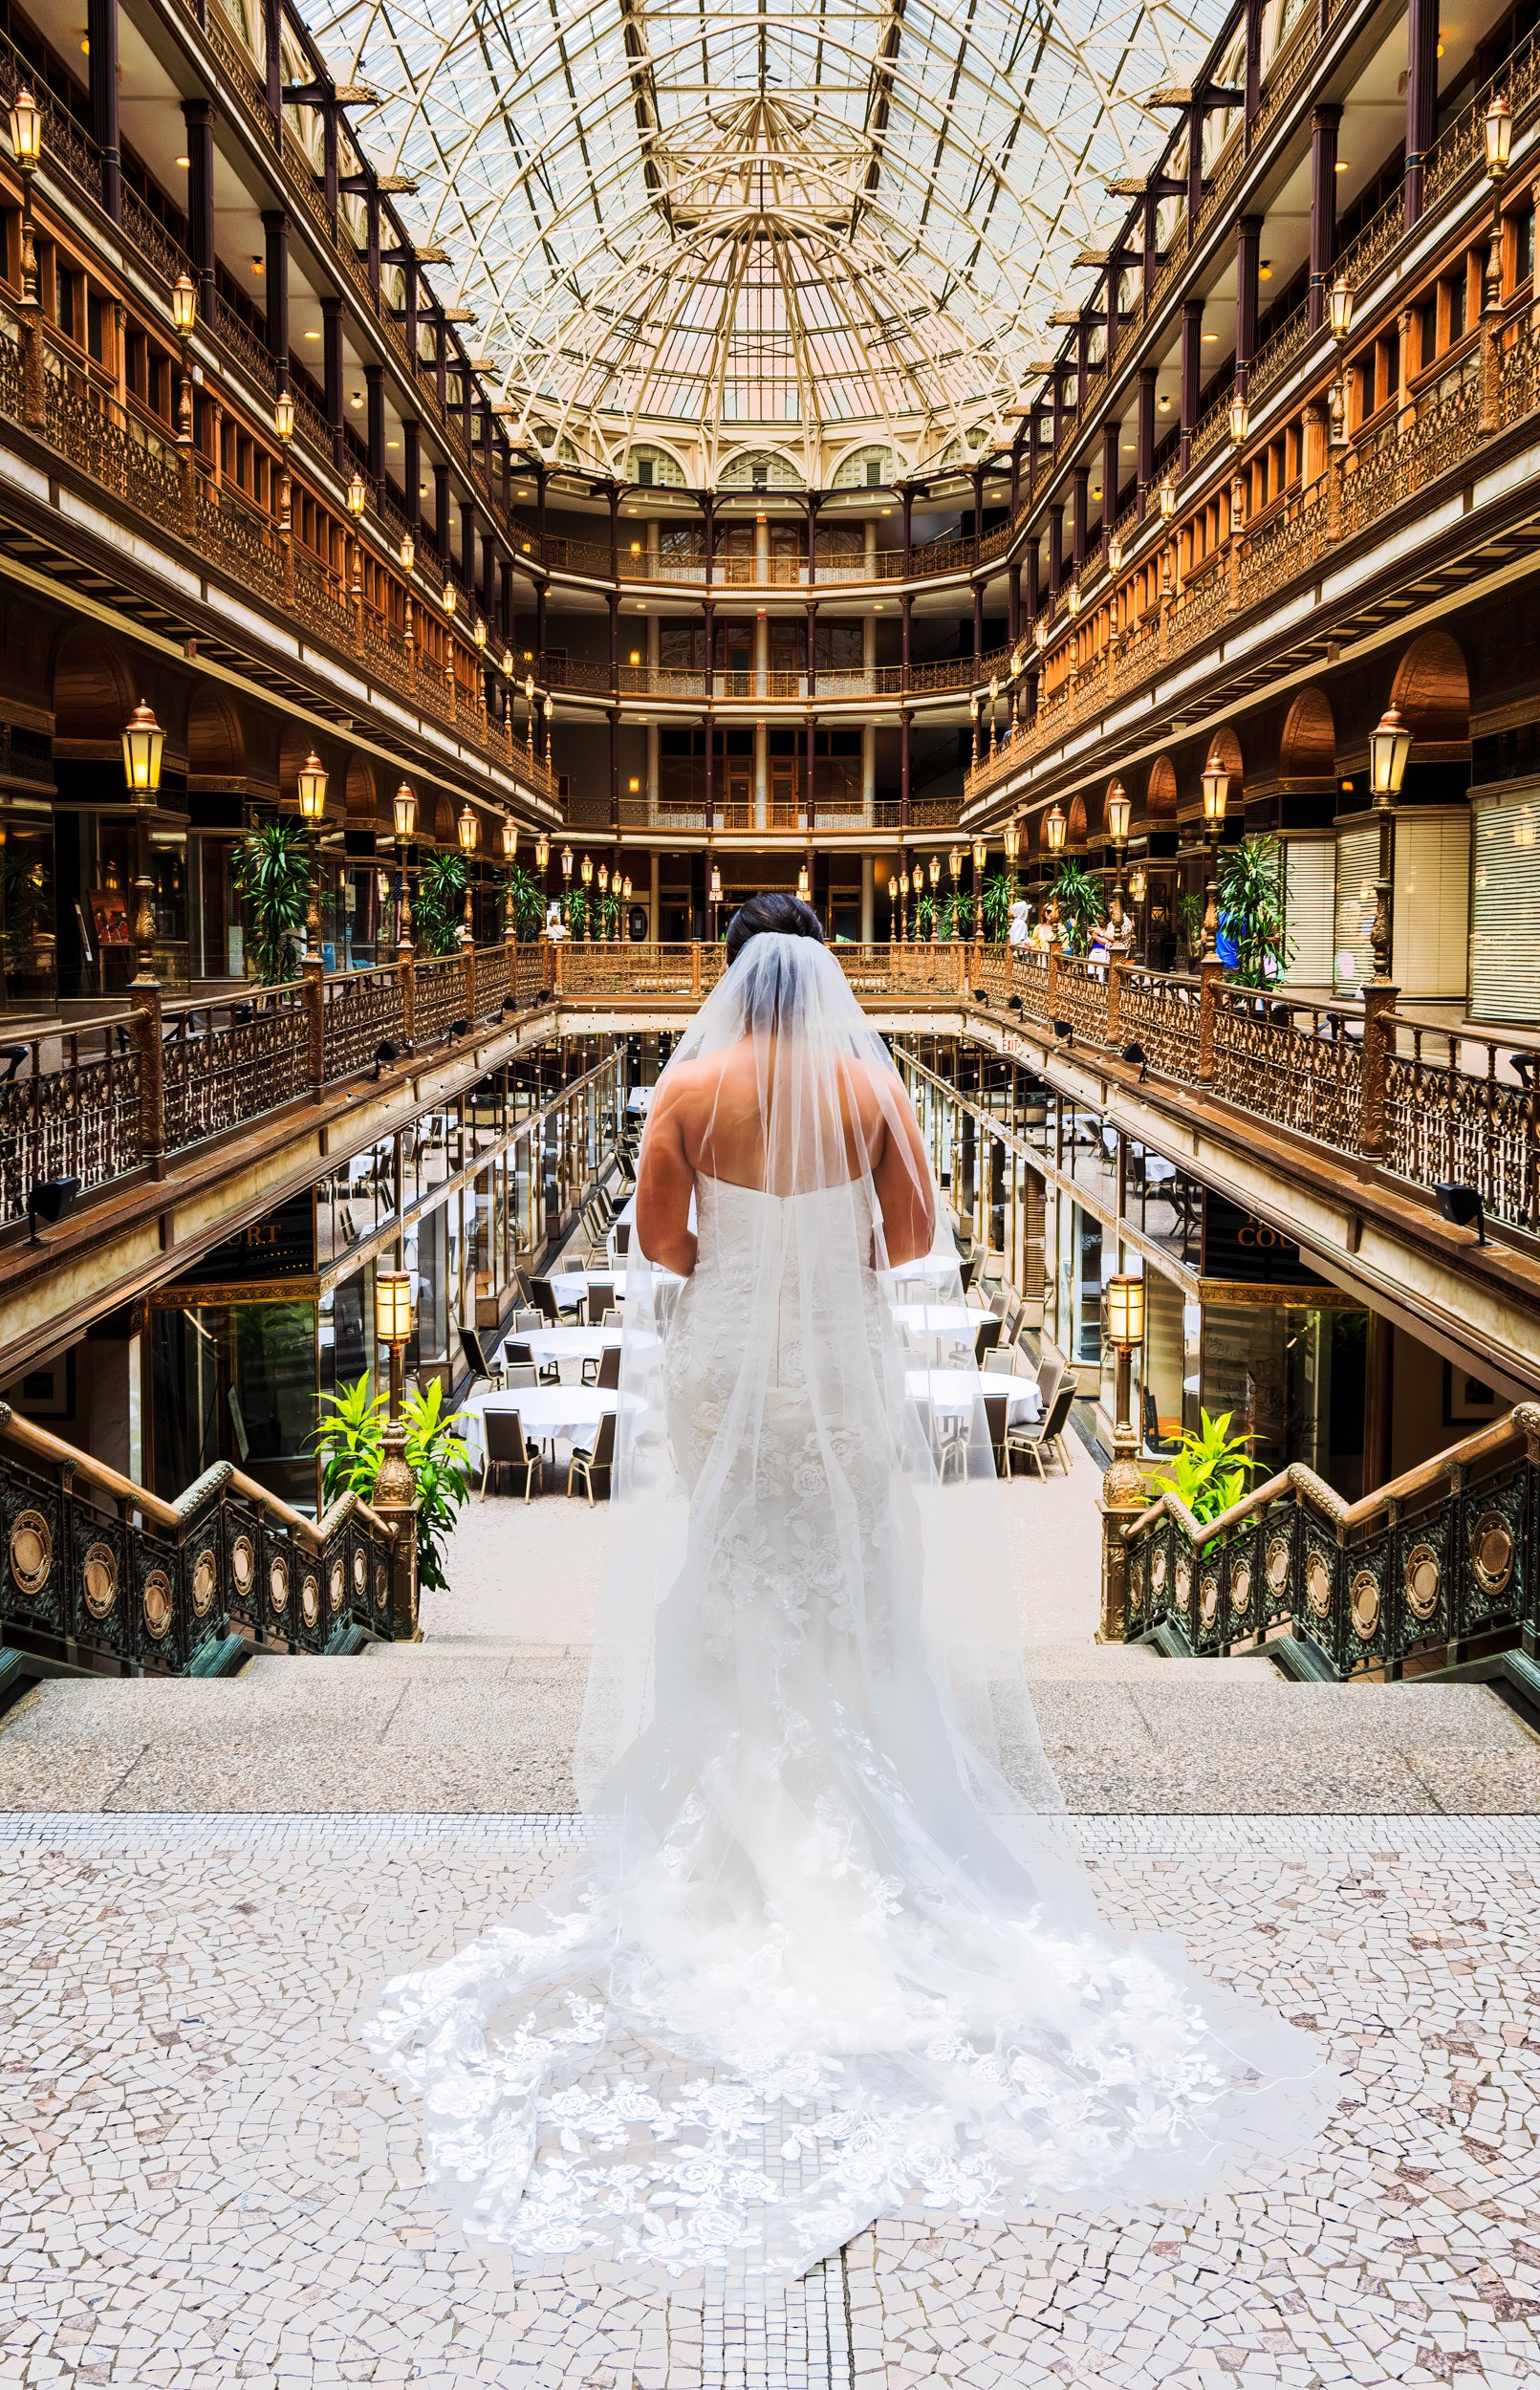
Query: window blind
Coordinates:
[1505,953]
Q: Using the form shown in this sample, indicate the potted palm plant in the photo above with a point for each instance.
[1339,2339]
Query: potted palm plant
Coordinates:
[270,872]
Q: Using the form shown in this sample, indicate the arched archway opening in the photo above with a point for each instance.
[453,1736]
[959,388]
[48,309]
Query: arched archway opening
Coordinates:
[1307,749]
[1431,690]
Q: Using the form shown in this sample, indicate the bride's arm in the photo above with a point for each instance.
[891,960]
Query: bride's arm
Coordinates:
[903,1182]
[665,1185]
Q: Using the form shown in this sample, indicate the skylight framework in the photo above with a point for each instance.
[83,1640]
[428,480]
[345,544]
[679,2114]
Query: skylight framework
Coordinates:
[785,219]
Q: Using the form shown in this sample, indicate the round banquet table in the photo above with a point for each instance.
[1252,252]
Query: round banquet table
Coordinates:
[548,1413]
[939,1319]
[952,1393]
[571,1286]
[564,1345]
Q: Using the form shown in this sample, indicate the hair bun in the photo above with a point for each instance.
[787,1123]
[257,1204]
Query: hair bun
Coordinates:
[777,914]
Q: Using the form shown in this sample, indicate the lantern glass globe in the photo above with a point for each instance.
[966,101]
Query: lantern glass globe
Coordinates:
[393,1306]
[1216,792]
[1055,829]
[26,130]
[282,416]
[446,598]
[408,552]
[311,786]
[542,853]
[468,829]
[1119,809]
[1124,1298]
[1340,308]
[511,837]
[1390,752]
[144,751]
[404,808]
[184,306]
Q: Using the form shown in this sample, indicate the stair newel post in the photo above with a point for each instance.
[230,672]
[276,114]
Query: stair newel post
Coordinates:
[1210,978]
[312,973]
[149,1039]
[1378,1045]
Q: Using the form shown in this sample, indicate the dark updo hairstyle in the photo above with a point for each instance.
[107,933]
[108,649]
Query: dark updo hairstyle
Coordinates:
[775,914]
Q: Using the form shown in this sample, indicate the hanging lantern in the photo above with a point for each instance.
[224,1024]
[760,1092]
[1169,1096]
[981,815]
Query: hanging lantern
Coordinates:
[310,788]
[357,495]
[511,837]
[1240,419]
[143,748]
[1499,136]
[1055,829]
[26,131]
[403,809]
[282,416]
[184,306]
[1216,791]
[1340,308]
[467,829]
[1390,752]
[1120,809]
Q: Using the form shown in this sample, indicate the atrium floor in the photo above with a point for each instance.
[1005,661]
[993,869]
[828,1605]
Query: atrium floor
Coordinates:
[209,2186]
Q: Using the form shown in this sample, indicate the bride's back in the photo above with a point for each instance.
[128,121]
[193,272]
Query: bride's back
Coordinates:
[760,1113]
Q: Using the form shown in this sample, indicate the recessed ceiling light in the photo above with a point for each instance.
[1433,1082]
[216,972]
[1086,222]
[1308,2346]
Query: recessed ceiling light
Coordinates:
[312,335]
[1341,166]
[184,162]
[393,443]
[1210,338]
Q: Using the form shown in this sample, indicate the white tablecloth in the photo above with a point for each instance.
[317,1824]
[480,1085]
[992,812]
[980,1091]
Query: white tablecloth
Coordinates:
[953,1392]
[564,1345]
[571,1286]
[550,1413]
[939,1319]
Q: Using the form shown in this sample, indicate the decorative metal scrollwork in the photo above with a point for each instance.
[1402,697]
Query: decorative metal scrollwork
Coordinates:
[361,1571]
[1183,1583]
[1241,1588]
[1208,1596]
[1364,1598]
[1277,1563]
[31,1553]
[204,1581]
[1492,1551]
[336,1583]
[1157,1571]
[98,1580]
[1319,1584]
[310,1598]
[243,1565]
[278,1581]
[1420,1579]
[382,1586]
[156,1603]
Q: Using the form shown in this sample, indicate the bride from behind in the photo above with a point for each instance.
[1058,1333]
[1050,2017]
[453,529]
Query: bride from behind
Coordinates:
[826,1955]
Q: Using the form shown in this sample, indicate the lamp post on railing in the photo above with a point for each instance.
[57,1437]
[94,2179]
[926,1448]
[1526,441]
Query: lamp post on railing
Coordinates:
[26,149]
[1216,785]
[1390,752]
[895,918]
[143,752]
[183,317]
[1339,315]
[1013,838]
[1122,1489]
[394,1488]
[467,829]
[713,894]
[404,816]
[917,881]
[566,883]
[1120,814]
[509,832]
[994,710]
[1498,132]
[585,872]
[310,790]
[1138,883]
[981,856]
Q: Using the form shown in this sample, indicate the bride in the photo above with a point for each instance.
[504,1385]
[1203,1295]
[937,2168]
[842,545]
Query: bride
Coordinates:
[826,1956]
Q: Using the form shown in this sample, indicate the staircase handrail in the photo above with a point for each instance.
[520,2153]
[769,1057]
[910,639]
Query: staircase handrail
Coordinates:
[1298,1478]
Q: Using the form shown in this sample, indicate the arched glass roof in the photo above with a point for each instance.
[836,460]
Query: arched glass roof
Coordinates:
[803,218]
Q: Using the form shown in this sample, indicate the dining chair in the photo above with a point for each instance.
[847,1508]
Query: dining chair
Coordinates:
[986,1337]
[1032,1439]
[476,1361]
[521,1373]
[600,1297]
[556,1315]
[505,1447]
[519,1356]
[996,1407]
[596,1460]
[608,1368]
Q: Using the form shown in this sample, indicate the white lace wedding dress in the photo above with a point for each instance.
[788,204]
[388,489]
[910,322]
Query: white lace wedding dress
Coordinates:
[824,1958]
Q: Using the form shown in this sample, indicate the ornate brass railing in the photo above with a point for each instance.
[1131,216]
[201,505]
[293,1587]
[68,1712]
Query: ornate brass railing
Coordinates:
[1443,1556]
[98,1571]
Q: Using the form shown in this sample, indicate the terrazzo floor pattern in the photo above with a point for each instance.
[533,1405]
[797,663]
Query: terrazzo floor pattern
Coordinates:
[206,2184]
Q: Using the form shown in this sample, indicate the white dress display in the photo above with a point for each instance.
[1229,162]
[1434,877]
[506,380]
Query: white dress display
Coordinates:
[825,1957]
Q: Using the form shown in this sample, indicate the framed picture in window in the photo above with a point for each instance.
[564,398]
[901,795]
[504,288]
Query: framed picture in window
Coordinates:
[1468,1401]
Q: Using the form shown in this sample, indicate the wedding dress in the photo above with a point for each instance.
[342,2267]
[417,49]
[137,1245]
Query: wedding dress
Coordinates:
[825,1957]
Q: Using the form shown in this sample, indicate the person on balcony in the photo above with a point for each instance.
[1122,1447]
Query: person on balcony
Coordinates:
[1020,917]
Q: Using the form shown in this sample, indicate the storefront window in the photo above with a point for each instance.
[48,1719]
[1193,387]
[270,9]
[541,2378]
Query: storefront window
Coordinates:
[235,1381]
[28,898]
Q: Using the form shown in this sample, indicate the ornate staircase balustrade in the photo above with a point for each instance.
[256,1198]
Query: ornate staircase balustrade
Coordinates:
[97,1573]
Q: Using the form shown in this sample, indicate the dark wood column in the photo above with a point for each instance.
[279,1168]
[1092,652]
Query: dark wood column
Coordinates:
[412,473]
[442,540]
[1422,96]
[1112,466]
[1081,500]
[903,767]
[1195,168]
[199,116]
[1144,467]
[331,372]
[1192,366]
[101,35]
[374,383]
[1254,66]
[468,544]
[275,281]
[1247,257]
[1324,124]
[272,44]
[812,670]
[1056,550]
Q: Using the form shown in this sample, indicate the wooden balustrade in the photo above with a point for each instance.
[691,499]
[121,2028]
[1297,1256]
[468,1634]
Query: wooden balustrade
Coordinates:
[101,1569]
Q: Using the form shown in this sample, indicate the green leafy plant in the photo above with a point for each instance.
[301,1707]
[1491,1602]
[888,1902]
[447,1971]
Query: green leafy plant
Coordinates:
[351,1441]
[438,903]
[1081,902]
[576,911]
[271,874]
[1251,909]
[1209,1467]
[997,895]
[925,916]
[523,893]
[1190,910]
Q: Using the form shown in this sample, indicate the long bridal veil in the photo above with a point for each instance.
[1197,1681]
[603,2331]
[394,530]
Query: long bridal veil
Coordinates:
[825,1955]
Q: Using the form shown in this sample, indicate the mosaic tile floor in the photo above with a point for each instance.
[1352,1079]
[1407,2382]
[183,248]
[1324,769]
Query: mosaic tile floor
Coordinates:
[205,2184]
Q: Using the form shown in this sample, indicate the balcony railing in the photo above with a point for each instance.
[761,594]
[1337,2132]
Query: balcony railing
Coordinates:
[953,557]
[100,1099]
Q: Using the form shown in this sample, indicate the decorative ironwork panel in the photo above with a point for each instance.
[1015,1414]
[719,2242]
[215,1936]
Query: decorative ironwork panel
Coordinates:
[1444,1122]
[1291,1063]
[1080,997]
[227,1064]
[81,1121]
[440,998]
[1159,1013]
[362,1007]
